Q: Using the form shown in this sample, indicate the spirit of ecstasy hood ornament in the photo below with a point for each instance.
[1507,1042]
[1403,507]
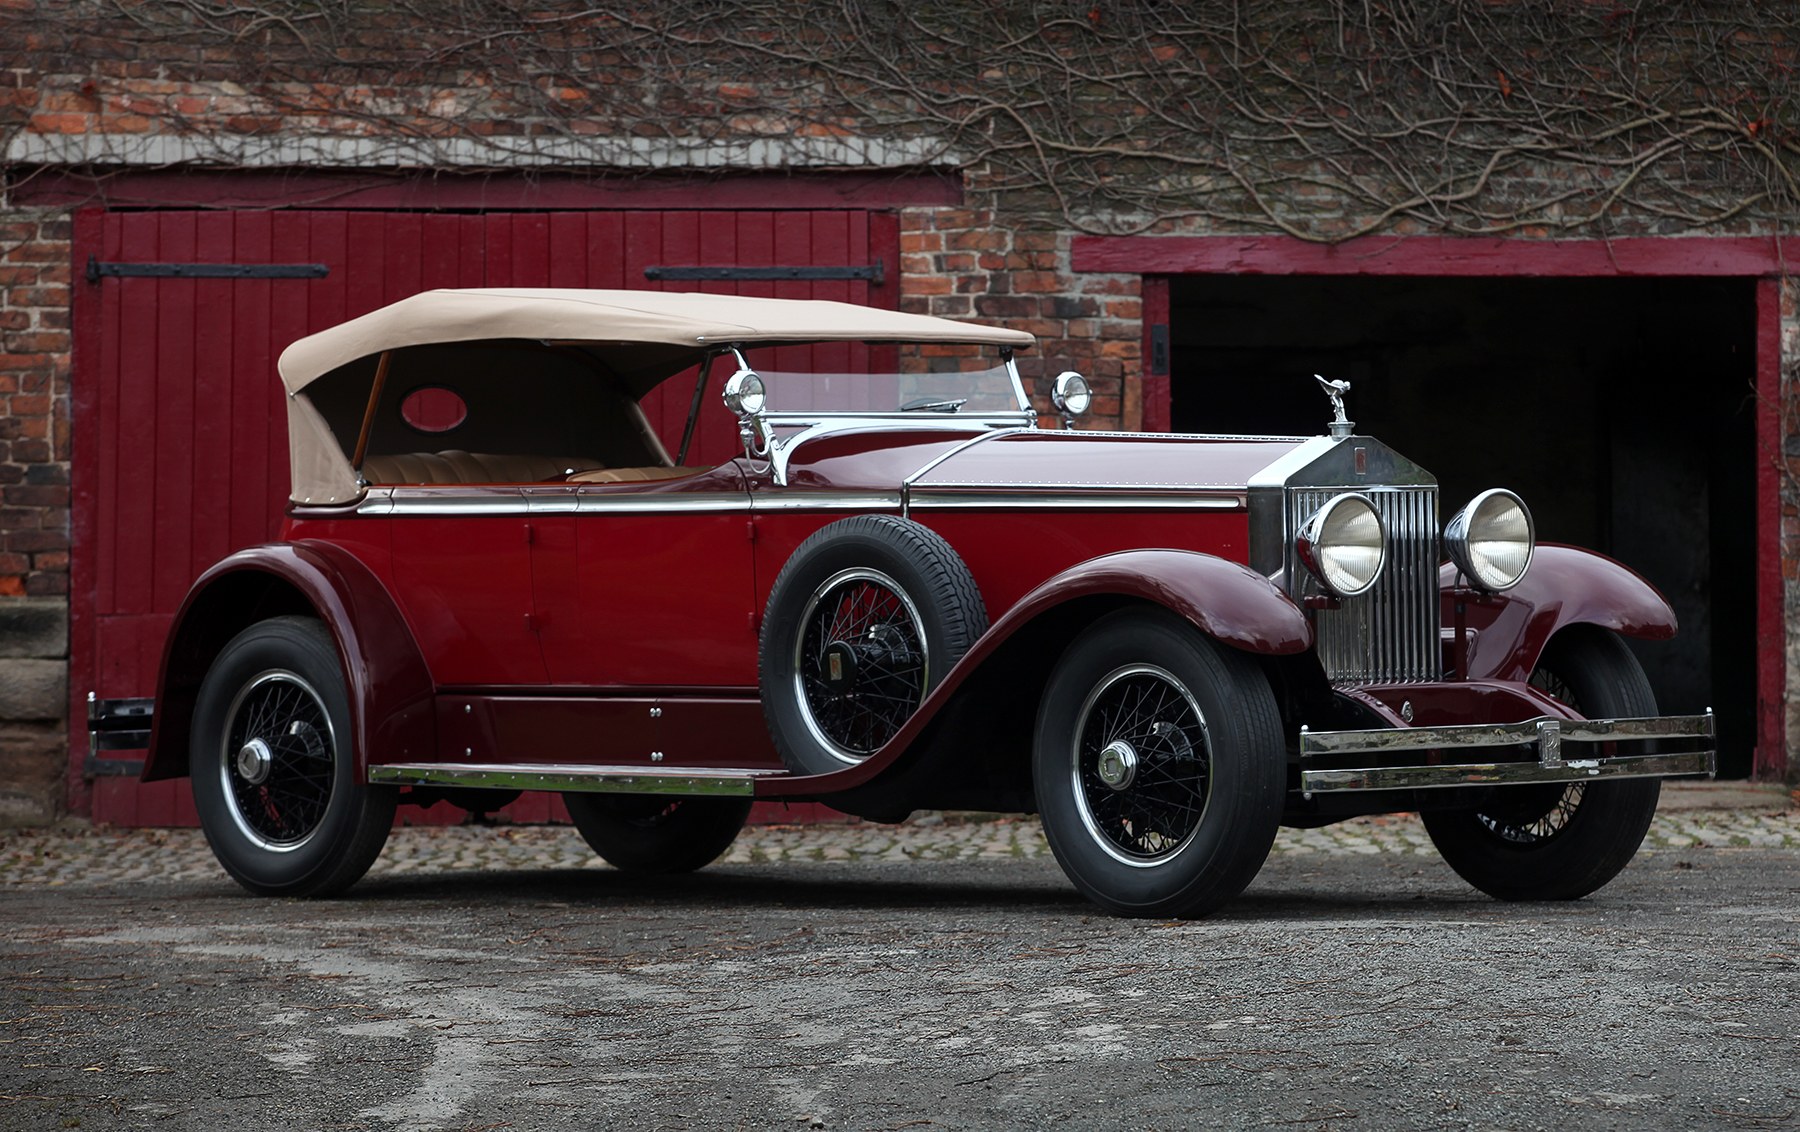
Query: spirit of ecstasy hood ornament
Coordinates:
[1341,426]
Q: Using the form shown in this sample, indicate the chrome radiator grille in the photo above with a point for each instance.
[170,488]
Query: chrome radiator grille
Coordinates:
[1390,634]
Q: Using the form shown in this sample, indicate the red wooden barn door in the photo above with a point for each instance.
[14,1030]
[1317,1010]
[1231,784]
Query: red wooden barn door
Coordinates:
[180,436]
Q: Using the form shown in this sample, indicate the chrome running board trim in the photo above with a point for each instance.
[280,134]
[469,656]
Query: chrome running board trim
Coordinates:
[689,780]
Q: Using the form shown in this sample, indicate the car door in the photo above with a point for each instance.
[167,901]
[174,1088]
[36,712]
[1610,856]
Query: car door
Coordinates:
[462,574]
[646,587]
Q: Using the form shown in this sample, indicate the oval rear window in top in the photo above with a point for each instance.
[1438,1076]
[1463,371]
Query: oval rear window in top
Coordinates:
[433,408]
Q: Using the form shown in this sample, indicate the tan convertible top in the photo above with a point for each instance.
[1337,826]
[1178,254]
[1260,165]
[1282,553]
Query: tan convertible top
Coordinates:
[628,318]
[632,339]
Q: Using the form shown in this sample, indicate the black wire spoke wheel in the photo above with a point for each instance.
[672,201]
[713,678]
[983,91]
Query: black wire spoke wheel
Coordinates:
[867,614]
[277,760]
[1560,841]
[1157,765]
[861,665]
[1141,764]
[273,759]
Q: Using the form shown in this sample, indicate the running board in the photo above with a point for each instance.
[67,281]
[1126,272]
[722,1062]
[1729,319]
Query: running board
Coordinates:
[688,780]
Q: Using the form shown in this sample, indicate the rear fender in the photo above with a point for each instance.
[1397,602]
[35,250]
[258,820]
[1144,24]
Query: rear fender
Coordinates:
[389,685]
[986,706]
[1564,586]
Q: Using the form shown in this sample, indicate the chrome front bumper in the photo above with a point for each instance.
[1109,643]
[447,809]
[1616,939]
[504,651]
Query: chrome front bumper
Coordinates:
[1548,737]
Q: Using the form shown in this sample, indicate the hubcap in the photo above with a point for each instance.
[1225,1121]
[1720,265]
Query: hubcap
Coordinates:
[253,761]
[838,672]
[276,761]
[1117,765]
[1141,767]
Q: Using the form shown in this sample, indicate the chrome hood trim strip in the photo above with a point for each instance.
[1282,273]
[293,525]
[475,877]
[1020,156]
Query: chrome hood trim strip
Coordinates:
[1096,499]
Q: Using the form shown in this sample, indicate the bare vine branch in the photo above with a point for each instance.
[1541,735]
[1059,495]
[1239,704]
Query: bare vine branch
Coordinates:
[1321,120]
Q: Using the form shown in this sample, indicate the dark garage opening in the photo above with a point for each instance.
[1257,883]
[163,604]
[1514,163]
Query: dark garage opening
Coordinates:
[1622,410]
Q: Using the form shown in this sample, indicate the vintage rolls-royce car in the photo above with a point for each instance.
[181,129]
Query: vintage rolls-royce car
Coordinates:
[902,593]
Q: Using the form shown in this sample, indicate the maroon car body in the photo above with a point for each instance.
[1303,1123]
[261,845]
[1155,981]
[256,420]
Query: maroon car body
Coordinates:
[1159,642]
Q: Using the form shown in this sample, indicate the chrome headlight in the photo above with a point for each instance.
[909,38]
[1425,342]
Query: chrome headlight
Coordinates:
[1343,544]
[744,392]
[1071,393]
[1491,540]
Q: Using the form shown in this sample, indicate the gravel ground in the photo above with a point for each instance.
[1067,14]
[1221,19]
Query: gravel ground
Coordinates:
[941,974]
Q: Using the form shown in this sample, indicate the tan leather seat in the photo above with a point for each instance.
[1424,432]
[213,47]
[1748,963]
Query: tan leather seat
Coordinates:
[633,475]
[456,466]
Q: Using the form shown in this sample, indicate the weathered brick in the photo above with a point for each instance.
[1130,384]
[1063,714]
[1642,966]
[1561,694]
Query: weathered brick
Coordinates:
[1005,306]
[35,495]
[30,541]
[979,240]
[46,584]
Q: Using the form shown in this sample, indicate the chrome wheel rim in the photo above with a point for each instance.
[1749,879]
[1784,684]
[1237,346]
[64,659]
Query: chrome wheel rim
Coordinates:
[861,665]
[1141,765]
[276,761]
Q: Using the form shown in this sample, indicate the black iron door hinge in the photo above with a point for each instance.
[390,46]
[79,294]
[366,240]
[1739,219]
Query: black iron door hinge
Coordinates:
[97,270]
[874,272]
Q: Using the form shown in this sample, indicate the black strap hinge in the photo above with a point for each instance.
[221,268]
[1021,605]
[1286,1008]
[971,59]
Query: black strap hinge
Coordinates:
[97,270]
[874,272]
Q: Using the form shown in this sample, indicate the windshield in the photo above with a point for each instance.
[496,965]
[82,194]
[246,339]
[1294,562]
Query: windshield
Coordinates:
[990,390]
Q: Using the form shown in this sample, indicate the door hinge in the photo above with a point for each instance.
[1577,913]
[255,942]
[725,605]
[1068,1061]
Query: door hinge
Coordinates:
[1159,348]
[96,270]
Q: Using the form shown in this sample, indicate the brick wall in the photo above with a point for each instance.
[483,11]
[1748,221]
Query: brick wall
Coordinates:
[963,263]
[34,512]
[34,404]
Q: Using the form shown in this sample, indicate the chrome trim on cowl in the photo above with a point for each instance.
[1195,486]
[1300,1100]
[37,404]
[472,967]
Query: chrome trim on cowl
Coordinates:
[955,450]
[811,426]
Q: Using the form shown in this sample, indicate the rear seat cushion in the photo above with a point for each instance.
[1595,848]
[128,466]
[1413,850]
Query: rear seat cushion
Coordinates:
[456,466]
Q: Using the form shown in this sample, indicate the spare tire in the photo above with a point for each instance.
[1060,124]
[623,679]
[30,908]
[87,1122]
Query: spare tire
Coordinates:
[862,623]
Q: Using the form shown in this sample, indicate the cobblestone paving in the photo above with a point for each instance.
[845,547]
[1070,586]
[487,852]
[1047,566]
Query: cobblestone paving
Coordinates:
[81,855]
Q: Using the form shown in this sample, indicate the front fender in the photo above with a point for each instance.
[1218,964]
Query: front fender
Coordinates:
[1225,600]
[1565,586]
[389,686]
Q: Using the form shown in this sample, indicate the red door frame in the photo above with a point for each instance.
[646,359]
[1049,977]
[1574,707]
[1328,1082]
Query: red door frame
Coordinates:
[1765,260]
